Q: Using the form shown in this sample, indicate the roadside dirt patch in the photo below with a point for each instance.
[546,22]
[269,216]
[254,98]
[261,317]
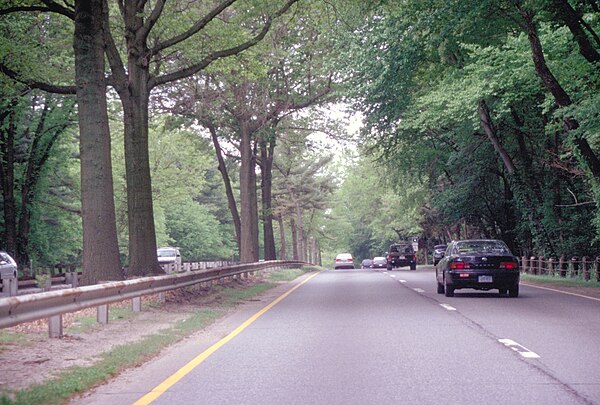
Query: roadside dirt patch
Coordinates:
[29,357]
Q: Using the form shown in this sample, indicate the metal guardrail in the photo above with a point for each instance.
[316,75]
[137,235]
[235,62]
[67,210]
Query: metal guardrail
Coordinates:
[53,304]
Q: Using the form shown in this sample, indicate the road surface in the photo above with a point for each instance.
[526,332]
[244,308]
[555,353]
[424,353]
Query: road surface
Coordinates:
[381,337]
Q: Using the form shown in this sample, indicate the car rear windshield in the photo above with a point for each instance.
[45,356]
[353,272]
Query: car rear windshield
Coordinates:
[401,248]
[494,247]
[166,252]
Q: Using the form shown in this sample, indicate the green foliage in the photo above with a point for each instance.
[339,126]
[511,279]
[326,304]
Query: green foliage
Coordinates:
[197,233]
[418,72]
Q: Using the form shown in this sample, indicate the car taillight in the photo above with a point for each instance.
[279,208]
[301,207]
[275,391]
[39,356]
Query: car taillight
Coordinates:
[509,265]
[338,260]
[460,265]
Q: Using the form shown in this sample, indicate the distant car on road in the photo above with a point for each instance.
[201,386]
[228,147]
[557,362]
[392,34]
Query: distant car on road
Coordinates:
[438,253]
[366,264]
[482,264]
[168,255]
[400,255]
[379,262]
[343,261]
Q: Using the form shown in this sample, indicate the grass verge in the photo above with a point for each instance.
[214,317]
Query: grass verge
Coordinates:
[80,379]
[559,281]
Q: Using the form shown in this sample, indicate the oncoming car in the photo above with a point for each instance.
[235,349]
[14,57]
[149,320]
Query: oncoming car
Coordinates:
[482,264]
[343,261]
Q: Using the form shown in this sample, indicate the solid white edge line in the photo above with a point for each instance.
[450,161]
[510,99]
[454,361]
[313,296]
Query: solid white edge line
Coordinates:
[560,291]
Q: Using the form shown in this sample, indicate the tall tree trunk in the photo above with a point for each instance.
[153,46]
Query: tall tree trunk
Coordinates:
[142,233]
[266,173]
[254,204]
[300,227]
[135,95]
[248,248]
[282,241]
[294,238]
[7,175]
[227,182]
[563,11]
[100,248]
[560,95]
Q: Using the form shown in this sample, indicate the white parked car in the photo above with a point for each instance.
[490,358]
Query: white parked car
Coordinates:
[169,255]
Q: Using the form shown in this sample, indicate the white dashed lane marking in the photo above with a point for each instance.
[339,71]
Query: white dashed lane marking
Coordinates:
[419,290]
[522,350]
[448,307]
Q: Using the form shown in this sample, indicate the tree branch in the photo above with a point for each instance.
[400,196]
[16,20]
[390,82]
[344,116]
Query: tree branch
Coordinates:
[36,84]
[200,24]
[187,72]
[151,21]
[51,7]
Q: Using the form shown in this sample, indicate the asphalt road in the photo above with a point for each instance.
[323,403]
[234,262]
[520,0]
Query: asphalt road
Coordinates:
[379,337]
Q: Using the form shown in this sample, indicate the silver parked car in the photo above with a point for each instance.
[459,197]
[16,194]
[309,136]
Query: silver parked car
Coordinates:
[8,266]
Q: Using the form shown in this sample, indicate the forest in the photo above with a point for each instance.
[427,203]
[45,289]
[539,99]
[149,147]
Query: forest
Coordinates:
[228,128]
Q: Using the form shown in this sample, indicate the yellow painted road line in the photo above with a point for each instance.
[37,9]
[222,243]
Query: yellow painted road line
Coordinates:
[183,371]
[561,291]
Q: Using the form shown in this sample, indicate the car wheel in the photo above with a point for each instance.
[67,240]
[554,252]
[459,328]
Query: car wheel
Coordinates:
[502,291]
[514,291]
[440,289]
[413,266]
[449,290]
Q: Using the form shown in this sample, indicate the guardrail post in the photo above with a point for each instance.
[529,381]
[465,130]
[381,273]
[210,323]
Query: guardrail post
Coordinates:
[524,264]
[10,286]
[562,267]
[102,314]
[574,266]
[585,269]
[540,269]
[55,326]
[136,304]
[597,268]
[551,266]
[532,265]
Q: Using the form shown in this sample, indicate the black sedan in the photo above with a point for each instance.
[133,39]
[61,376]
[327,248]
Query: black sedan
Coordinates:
[379,262]
[482,264]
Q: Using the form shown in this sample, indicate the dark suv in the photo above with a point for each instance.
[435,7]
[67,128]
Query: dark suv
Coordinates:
[401,254]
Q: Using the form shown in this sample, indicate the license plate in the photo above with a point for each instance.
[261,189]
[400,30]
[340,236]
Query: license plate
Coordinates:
[401,257]
[485,279]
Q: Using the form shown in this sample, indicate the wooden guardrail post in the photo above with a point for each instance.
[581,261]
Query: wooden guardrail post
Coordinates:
[551,266]
[541,265]
[585,268]
[524,264]
[574,266]
[597,268]
[562,267]
[532,265]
